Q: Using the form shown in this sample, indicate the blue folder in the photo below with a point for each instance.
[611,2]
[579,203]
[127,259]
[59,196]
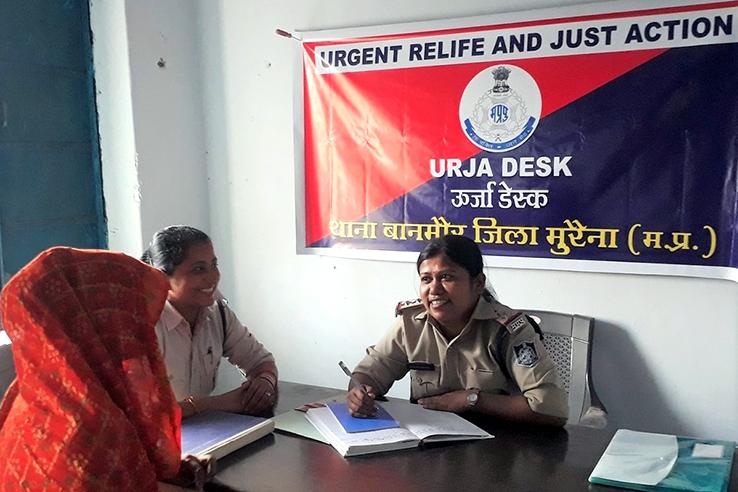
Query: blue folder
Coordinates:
[382,419]
[208,429]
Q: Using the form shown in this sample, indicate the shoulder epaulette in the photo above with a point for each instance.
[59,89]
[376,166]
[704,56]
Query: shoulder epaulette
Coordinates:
[402,305]
[512,321]
[515,322]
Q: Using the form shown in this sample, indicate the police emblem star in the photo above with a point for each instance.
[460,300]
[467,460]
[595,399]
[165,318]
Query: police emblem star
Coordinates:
[526,354]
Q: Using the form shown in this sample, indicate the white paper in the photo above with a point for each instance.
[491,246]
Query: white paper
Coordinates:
[433,425]
[707,450]
[637,457]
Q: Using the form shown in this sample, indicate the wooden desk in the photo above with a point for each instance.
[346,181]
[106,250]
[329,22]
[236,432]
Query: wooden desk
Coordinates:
[518,459]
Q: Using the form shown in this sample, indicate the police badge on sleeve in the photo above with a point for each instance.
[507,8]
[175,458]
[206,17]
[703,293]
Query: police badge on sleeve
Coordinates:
[526,354]
[500,108]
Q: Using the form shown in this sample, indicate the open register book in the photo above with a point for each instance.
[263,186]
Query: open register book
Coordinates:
[219,433]
[417,425]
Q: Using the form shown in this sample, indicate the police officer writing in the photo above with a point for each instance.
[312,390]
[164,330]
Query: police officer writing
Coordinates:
[464,350]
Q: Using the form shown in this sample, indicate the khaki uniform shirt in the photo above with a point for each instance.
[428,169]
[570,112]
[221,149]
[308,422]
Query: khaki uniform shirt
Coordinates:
[468,360]
[192,357]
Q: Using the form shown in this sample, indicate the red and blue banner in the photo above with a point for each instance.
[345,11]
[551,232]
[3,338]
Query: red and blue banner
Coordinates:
[602,138]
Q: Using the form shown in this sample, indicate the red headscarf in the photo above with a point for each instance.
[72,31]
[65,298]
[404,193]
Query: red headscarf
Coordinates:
[91,407]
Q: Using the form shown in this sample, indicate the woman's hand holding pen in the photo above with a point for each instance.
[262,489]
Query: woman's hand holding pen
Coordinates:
[360,397]
[360,401]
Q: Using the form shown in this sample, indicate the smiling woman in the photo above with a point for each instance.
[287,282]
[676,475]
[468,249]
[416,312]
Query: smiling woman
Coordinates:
[196,329]
[465,351]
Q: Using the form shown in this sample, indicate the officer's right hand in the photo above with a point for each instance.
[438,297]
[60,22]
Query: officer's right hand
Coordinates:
[359,404]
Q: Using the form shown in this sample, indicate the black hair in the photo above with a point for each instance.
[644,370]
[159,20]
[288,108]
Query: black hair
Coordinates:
[169,247]
[461,250]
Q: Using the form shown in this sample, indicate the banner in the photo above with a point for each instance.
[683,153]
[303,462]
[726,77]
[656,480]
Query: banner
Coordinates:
[603,139]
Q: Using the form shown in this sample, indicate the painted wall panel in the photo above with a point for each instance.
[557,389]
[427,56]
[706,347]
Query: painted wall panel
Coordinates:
[42,104]
[50,188]
[36,237]
[35,32]
[47,181]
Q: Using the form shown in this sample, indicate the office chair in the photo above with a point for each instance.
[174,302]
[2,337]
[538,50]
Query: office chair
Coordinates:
[567,338]
[7,367]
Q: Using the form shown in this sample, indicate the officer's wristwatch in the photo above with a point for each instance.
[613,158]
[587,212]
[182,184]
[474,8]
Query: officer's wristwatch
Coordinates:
[472,399]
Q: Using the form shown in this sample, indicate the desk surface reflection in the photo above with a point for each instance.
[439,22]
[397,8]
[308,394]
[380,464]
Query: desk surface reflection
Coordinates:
[518,459]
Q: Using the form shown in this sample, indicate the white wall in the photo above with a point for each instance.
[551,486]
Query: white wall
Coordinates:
[665,356]
[115,122]
[151,124]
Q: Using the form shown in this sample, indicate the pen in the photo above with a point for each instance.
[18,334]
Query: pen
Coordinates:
[353,379]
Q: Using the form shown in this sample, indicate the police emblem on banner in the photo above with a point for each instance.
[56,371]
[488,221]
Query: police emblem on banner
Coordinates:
[526,354]
[500,108]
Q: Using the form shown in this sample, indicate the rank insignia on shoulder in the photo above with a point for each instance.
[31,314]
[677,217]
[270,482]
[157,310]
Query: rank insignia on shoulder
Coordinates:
[526,354]
[402,305]
[516,323]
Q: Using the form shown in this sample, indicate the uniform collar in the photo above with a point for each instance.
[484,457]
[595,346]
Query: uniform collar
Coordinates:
[483,310]
[423,314]
[171,318]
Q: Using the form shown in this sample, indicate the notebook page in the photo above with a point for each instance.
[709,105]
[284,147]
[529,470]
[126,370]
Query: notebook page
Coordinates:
[429,423]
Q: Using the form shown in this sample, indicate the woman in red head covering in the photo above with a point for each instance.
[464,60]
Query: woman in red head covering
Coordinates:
[91,408]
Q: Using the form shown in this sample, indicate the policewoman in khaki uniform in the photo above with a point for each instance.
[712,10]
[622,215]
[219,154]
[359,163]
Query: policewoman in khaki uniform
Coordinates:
[464,350]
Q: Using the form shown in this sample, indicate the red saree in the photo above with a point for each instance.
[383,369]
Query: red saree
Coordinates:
[91,407]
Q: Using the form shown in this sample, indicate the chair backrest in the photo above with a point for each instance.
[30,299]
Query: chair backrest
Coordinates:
[7,367]
[568,340]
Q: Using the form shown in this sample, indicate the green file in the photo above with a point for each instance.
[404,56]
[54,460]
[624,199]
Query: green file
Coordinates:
[689,472]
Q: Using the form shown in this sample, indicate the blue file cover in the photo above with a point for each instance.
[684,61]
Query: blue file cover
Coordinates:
[219,433]
[382,419]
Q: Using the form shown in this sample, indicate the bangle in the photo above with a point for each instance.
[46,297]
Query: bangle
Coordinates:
[191,400]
